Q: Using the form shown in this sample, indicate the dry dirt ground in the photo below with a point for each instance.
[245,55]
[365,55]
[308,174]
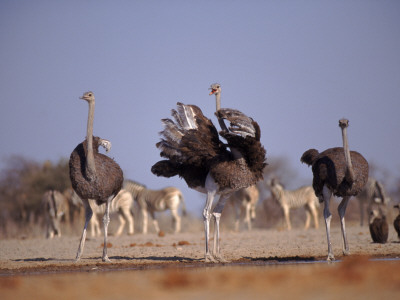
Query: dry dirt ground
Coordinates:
[264,264]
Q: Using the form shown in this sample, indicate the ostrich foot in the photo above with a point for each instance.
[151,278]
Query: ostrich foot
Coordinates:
[331,257]
[210,258]
[106,259]
[215,258]
[220,258]
[78,256]
[346,252]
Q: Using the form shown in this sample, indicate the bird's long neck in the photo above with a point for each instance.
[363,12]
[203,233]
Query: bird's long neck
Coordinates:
[350,171]
[90,165]
[218,107]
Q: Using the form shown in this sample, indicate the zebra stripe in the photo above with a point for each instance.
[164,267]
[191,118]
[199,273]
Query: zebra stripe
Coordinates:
[247,199]
[122,204]
[301,197]
[123,201]
[151,201]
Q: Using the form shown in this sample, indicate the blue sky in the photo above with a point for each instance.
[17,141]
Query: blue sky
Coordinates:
[296,67]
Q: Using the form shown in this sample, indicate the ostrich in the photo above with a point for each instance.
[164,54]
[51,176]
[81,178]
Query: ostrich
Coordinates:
[378,227]
[193,151]
[396,222]
[94,175]
[340,172]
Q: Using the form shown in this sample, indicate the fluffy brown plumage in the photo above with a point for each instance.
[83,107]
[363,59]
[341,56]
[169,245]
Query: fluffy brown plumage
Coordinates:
[396,222]
[378,227]
[192,148]
[329,168]
[340,172]
[108,179]
[200,151]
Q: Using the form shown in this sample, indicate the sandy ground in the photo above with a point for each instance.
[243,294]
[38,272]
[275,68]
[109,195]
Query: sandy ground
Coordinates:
[264,263]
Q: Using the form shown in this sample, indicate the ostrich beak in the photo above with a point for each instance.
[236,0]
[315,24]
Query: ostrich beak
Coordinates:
[212,92]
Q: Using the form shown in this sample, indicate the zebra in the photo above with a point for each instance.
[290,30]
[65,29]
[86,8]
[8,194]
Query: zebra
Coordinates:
[151,201]
[303,196]
[122,203]
[55,206]
[245,199]
[373,194]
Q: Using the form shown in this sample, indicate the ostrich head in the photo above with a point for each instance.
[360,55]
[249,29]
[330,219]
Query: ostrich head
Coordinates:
[373,215]
[88,96]
[343,123]
[215,89]
[106,144]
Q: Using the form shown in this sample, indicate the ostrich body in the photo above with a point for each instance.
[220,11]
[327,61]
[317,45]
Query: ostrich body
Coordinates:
[340,172]
[193,151]
[396,222]
[378,227]
[94,175]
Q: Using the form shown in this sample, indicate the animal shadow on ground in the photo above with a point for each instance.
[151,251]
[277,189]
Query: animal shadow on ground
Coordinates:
[154,258]
[41,259]
[276,259]
[117,258]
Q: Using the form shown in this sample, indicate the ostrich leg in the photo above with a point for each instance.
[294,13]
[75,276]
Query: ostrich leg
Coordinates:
[217,216]
[342,210]
[207,217]
[88,216]
[106,221]
[328,216]
[211,188]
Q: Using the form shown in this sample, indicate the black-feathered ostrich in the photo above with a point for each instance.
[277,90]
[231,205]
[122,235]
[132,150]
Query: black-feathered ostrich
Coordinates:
[340,172]
[94,175]
[396,222]
[378,226]
[193,151]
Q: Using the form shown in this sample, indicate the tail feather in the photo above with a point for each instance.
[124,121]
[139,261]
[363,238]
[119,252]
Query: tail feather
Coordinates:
[164,168]
[190,138]
[171,131]
[309,156]
[184,116]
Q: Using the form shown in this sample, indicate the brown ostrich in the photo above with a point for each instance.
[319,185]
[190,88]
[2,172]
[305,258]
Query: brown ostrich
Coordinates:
[193,151]
[340,172]
[378,227]
[94,175]
[396,222]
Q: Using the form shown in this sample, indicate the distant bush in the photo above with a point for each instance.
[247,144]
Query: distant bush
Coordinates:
[23,183]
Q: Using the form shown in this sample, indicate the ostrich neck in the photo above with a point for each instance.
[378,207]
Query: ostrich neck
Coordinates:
[218,107]
[90,165]
[218,101]
[350,172]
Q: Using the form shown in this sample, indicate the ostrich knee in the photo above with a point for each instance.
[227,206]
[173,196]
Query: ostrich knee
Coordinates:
[217,218]
[342,211]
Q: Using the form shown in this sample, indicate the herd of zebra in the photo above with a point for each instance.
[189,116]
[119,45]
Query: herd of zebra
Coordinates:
[56,206]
